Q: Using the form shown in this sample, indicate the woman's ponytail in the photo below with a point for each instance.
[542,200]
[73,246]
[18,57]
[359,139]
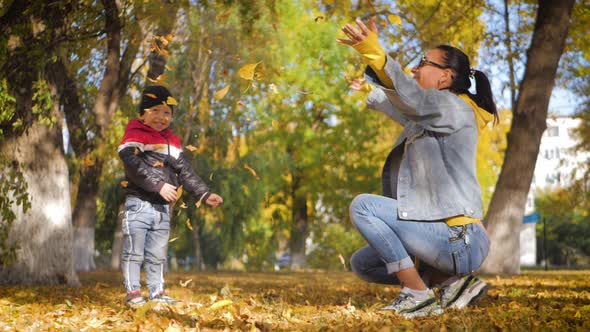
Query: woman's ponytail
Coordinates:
[483,94]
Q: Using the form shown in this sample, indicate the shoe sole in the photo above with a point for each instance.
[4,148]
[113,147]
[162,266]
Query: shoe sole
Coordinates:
[418,314]
[471,295]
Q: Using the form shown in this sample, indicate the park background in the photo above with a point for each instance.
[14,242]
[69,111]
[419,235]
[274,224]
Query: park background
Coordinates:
[270,114]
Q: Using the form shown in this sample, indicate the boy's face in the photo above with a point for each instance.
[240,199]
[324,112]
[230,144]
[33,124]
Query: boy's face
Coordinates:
[157,117]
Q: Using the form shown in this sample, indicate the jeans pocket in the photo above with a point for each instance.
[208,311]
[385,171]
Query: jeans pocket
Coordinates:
[134,205]
[462,261]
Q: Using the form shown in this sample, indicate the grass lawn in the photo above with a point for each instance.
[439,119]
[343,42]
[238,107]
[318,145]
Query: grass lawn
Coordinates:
[305,301]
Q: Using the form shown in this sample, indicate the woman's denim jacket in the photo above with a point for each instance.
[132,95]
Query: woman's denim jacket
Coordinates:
[436,178]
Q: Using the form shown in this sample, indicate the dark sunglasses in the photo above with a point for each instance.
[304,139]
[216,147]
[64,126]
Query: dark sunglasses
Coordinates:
[424,62]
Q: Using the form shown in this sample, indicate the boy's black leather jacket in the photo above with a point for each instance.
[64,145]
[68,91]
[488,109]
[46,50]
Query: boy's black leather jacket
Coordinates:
[153,158]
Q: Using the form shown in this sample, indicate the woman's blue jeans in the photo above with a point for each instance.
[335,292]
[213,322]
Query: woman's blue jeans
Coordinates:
[457,250]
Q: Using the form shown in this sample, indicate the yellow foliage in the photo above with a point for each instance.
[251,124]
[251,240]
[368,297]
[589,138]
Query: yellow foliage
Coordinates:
[305,301]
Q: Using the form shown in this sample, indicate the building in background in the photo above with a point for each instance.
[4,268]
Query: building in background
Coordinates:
[558,164]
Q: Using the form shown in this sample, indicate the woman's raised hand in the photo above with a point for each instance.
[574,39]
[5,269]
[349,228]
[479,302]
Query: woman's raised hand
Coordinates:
[355,35]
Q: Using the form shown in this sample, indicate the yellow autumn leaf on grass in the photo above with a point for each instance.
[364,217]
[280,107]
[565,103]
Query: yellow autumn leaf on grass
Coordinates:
[158,164]
[342,260]
[188,224]
[124,184]
[221,304]
[247,71]
[191,148]
[185,283]
[251,170]
[221,93]
[394,19]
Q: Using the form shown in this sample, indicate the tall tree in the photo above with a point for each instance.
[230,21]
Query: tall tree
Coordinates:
[529,122]
[33,34]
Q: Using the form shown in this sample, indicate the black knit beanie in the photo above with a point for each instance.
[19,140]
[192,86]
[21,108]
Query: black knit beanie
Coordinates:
[155,95]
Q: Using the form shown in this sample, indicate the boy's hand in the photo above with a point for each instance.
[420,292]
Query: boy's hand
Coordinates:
[168,192]
[214,200]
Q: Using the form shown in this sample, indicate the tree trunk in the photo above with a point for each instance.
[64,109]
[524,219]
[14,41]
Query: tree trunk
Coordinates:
[117,247]
[506,210]
[44,232]
[199,263]
[299,229]
[85,218]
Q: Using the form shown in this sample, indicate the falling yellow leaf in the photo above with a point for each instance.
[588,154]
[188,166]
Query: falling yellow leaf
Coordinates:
[185,283]
[221,93]
[171,101]
[88,161]
[188,224]
[183,206]
[342,260]
[178,192]
[221,304]
[211,176]
[158,164]
[173,239]
[247,71]
[169,37]
[394,19]
[251,170]
[151,95]
[124,184]
[191,148]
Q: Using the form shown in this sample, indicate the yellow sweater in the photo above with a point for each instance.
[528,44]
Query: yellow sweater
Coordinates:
[373,55]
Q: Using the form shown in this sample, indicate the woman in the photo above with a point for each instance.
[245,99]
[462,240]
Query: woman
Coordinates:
[431,206]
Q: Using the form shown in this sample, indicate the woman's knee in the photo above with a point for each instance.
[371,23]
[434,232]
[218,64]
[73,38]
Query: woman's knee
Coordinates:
[359,206]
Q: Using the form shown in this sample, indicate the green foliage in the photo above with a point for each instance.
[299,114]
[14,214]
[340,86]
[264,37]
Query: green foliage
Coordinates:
[567,222]
[42,103]
[13,193]
[7,106]
[335,246]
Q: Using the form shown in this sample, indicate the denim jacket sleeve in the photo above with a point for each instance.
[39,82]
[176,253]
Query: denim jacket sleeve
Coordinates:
[435,110]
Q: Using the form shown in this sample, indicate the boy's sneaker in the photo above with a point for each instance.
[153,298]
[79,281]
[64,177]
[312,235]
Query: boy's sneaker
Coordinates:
[406,305]
[161,297]
[134,299]
[463,292]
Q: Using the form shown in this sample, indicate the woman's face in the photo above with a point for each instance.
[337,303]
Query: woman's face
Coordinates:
[432,72]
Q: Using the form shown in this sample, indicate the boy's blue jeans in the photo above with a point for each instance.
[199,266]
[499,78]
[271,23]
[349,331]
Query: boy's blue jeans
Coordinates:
[457,250]
[146,230]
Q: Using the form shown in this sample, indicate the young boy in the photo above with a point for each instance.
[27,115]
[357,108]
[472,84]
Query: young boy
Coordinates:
[154,168]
